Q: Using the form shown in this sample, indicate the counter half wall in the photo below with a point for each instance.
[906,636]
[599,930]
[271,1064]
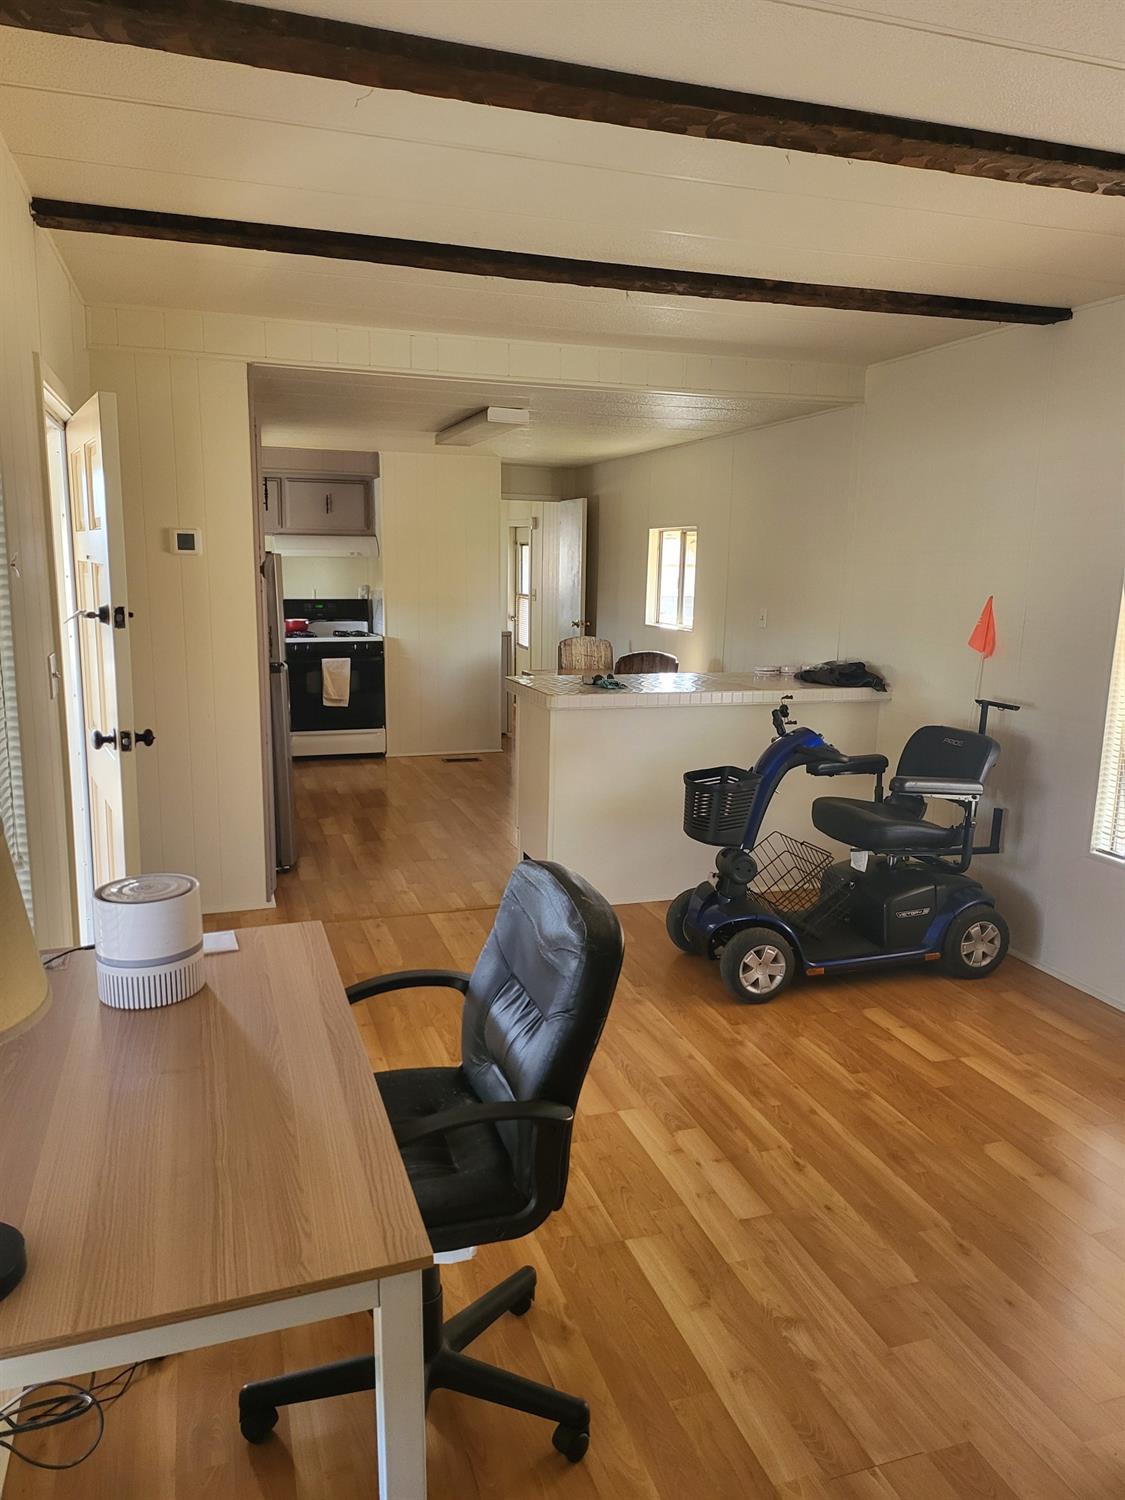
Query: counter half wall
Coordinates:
[599,775]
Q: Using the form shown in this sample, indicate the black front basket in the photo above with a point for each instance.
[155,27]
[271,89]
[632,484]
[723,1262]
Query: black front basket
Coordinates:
[717,804]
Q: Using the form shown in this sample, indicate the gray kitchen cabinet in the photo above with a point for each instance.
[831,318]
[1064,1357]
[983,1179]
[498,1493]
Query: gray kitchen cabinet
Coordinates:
[330,504]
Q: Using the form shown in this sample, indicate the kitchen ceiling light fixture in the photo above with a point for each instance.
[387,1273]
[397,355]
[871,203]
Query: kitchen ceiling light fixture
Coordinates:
[491,422]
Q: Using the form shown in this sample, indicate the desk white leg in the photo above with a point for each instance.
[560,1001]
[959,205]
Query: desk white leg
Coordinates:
[400,1391]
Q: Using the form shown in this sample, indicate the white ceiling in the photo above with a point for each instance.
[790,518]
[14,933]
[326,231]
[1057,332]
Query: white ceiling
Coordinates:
[1027,67]
[339,410]
[117,125]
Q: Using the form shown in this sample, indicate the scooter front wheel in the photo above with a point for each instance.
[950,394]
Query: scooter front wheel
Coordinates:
[757,964]
[674,922]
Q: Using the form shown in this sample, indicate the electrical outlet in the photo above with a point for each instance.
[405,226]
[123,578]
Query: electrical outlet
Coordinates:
[763,618]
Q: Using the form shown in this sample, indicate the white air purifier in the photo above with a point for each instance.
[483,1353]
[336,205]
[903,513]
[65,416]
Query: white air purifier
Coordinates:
[148,941]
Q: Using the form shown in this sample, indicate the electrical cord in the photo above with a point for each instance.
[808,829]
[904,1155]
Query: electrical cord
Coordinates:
[31,1412]
[66,952]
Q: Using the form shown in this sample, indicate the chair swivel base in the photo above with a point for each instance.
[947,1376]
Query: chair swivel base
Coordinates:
[447,1368]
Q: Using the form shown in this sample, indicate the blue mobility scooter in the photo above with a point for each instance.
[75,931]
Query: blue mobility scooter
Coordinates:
[780,905]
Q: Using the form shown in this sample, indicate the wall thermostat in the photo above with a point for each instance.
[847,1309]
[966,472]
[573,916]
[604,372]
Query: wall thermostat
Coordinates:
[181,540]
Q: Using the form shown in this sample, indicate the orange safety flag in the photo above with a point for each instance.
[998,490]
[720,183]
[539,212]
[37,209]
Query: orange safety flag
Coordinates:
[983,638]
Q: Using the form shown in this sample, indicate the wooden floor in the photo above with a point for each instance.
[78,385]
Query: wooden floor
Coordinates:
[865,1243]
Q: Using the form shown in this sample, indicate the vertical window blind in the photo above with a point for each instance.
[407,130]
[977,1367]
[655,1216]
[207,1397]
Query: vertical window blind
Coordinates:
[12,814]
[1109,814]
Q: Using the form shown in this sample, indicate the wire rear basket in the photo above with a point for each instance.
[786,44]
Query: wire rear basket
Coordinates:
[717,804]
[794,878]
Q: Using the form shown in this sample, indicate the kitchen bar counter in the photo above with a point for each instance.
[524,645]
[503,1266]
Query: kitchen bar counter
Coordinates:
[602,791]
[680,690]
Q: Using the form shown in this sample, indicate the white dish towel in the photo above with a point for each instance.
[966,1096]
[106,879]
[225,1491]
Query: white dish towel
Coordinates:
[337,674]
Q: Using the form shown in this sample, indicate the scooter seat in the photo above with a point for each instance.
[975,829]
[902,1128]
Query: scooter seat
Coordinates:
[878,826]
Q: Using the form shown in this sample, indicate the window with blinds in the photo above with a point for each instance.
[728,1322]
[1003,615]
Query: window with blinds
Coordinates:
[1109,815]
[11,782]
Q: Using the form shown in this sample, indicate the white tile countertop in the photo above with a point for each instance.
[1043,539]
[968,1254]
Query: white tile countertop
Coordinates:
[682,690]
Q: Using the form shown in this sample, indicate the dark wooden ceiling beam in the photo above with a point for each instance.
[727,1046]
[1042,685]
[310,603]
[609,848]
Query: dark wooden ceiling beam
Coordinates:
[287,42]
[473,260]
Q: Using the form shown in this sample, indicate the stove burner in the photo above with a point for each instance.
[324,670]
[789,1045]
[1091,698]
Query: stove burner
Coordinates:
[360,633]
[300,635]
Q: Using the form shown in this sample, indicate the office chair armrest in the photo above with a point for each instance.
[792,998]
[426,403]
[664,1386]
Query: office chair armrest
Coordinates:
[539,1111]
[936,786]
[851,765]
[407,979]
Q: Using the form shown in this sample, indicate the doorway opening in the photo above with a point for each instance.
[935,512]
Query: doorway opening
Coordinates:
[521,595]
[66,667]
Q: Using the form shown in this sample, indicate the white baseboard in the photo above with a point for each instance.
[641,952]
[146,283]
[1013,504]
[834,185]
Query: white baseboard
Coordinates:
[438,754]
[1114,1000]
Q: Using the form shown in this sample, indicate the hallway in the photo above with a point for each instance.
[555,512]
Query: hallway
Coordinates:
[399,837]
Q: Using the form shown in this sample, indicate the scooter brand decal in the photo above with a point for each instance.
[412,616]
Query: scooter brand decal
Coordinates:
[918,911]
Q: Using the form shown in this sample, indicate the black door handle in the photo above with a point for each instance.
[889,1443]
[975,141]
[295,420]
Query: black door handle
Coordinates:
[146,737]
[98,739]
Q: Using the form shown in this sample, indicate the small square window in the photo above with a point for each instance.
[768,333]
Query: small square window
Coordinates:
[671,577]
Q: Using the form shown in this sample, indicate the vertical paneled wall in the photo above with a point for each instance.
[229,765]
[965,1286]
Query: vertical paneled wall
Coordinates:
[185,459]
[442,595]
[997,466]
[774,509]
[992,466]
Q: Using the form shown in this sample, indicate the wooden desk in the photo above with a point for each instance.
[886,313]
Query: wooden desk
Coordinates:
[217,1169]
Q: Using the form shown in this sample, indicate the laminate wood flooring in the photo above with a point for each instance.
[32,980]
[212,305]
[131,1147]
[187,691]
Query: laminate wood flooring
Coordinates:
[864,1243]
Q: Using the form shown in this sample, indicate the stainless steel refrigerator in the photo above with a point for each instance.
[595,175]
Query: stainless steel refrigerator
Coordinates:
[285,821]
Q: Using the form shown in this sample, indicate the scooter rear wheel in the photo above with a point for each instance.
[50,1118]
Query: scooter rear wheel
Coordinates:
[756,965]
[674,922]
[975,944]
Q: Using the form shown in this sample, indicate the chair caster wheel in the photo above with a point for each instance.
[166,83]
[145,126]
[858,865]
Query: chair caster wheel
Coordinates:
[257,1425]
[571,1443]
[521,1308]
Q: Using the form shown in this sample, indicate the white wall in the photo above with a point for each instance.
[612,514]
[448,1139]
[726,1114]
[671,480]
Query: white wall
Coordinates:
[42,323]
[326,577]
[185,458]
[442,592]
[540,482]
[774,515]
[319,461]
[994,466]
[997,466]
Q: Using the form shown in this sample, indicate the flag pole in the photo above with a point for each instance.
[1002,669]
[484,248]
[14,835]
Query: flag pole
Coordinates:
[979,690]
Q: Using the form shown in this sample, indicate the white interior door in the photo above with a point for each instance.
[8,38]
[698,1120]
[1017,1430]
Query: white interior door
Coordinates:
[562,590]
[98,530]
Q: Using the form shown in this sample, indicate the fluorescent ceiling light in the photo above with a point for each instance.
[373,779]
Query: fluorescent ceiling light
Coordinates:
[492,422]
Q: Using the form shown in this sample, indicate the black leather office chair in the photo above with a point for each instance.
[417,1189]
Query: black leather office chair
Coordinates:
[487,1144]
